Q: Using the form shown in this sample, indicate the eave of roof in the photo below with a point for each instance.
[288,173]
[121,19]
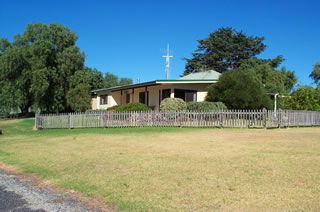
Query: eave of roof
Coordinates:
[155,82]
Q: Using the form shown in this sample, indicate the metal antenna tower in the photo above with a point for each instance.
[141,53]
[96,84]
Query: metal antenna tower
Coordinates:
[167,68]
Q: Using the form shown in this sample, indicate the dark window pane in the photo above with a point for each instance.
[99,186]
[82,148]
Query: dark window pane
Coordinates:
[103,99]
[143,97]
[165,93]
[190,96]
[127,98]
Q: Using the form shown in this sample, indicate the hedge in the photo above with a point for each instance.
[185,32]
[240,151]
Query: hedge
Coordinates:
[173,104]
[206,106]
[135,106]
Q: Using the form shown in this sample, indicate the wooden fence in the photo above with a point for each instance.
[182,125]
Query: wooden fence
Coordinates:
[226,118]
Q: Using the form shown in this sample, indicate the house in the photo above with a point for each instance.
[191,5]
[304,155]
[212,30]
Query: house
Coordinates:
[192,87]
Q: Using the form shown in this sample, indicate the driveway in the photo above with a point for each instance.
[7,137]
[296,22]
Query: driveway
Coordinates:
[21,196]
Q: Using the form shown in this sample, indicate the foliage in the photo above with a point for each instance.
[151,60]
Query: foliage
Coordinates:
[304,98]
[134,106]
[173,104]
[79,98]
[206,106]
[112,108]
[41,66]
[91,77]
[315,74]
[112,80]
[124,81]
[36,67]
[274,81]
[239,89]
[223,50]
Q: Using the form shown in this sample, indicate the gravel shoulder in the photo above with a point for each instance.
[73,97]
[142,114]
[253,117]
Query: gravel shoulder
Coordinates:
[20,194]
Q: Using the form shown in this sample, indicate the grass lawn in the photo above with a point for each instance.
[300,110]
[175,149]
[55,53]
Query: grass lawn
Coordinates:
[174,168]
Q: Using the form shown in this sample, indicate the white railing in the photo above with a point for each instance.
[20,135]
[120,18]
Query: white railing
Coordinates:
[226,118]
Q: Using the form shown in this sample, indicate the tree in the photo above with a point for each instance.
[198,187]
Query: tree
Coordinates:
[274,81]
[223,50]
[239,89]
[304,98]
[79,98]
[125,81]
[112,80]
[88,76]
[315,74]
[37,66]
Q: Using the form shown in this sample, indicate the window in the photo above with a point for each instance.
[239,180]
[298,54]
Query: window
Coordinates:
[190,96]
[165,94]
[143,97]
[103,99]
[186,95]
[127,98]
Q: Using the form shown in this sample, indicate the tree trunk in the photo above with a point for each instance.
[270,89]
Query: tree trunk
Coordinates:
[25,110]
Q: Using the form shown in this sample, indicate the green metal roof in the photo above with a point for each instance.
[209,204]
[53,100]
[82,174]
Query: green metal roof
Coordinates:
[202,75]
[155,82]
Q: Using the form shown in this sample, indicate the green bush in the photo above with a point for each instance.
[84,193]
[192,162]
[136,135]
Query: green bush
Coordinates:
[304,98]
[173,104]
[206,106]
[239,89]
[135,106]
[79,98]
[112,108]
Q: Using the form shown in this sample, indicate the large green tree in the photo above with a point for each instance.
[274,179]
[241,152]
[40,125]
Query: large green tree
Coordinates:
[37,66]
[43,67]
[274,81]
[315,74]
[239,89]
[111,80]
[88,76]
[223,50]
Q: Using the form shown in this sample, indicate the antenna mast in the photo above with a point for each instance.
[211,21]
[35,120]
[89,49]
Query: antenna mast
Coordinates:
[167,68]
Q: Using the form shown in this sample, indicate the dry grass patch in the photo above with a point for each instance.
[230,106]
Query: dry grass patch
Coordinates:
[222,169]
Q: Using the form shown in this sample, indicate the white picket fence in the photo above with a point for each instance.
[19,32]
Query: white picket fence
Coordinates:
[226,118]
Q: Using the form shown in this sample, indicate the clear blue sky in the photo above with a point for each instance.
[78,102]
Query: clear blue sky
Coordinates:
[127,37]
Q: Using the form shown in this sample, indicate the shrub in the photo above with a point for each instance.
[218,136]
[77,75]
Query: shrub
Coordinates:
[304,98]
[239,90]
[173,104]
[79,98]
[112,108]
[135,106]
[206,106]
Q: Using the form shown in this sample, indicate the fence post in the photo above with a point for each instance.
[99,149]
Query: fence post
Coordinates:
[70,124]
[36,119]
[264,115]
[220,119]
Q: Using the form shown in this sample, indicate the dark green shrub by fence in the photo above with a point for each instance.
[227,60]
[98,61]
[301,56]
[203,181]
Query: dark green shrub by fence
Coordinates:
[135,106]
[206,106]
[112,108]
[173,104]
